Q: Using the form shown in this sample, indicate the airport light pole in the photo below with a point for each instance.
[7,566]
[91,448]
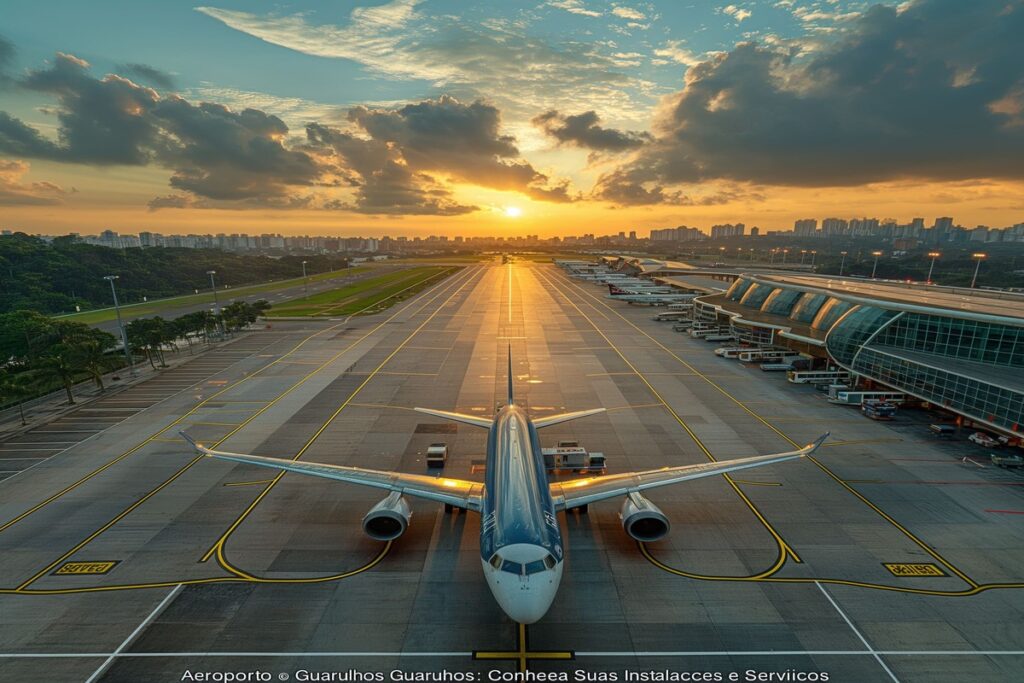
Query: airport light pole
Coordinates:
[803,255]
[876,254]
[120,324]
[932,255]
[979,257]
[814,256]
[842,264]
[216,303]
[771,257]
[784,252]
[305,281]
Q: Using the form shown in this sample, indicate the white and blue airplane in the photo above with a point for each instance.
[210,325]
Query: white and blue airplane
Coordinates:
[521,546]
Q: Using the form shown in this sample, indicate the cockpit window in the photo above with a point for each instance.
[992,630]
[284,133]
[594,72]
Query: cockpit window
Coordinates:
[511,567]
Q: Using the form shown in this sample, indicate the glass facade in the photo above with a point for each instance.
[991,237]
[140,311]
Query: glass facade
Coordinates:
[848,337]
[753,334]
[951,362]
[807,307]
[738,288]
[963,339]
[780,302]
[972,397]
[830,312]
[756,295]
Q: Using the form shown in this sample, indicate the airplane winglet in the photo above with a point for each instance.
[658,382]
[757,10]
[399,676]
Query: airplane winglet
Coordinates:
[198,446]
[816,444]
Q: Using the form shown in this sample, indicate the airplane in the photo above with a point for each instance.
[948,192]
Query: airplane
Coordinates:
[521,548]
[646,296]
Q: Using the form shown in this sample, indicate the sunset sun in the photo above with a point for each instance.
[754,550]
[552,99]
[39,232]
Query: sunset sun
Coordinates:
[513,212]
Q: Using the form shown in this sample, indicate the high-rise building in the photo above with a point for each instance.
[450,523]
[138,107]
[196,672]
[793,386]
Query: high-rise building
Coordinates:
[805,227]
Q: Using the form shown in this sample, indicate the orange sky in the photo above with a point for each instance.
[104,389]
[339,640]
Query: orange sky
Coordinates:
[115,198]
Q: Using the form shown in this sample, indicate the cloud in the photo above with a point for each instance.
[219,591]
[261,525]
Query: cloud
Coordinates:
[214,152]
[574,7]
[405,148]
[15,193]
[460,140]
[934,91]
[519,73]
[673,50]
[736,13]
[583,130]
[148,74]
[384,183]
[628,13]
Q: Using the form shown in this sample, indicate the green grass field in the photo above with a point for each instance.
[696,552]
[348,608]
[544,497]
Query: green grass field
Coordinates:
[157,306]
[369,296]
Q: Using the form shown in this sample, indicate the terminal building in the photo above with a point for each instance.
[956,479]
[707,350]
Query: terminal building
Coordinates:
[955,348]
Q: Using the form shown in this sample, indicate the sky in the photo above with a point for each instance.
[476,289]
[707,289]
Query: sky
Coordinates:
[551,117]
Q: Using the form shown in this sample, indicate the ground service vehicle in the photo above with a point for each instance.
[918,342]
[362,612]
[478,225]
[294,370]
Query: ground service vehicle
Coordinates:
[766,355]
[878,410]
[983,439]
[1006,461]
[776,367]
[856,398]
[943,431]
[437,454]
[817,376]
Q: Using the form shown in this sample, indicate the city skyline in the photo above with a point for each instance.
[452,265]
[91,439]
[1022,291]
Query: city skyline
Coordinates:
[423,117]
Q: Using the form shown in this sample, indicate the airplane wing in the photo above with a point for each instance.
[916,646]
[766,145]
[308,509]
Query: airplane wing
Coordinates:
[458,417]
[540,422]
[458,492]
[570,494]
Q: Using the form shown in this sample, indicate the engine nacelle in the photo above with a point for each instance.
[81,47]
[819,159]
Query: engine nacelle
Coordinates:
[388,519]
[642,519]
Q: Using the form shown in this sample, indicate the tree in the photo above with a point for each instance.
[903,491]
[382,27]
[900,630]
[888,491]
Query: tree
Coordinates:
[89,353]
[16,386]
[58,363]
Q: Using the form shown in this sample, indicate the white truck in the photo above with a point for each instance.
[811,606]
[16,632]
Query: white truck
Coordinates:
[570,455]
[437,454]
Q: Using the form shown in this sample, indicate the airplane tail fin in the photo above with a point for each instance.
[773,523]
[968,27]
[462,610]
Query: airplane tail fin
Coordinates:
[511,391]
[612,289]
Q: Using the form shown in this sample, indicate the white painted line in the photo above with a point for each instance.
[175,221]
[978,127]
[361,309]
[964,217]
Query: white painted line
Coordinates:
[857,633]
[135,634]
[623,653]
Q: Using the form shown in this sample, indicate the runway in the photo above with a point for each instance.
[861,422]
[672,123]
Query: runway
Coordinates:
[125,558]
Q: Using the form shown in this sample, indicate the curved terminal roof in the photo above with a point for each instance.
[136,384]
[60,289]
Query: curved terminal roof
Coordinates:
[976,304]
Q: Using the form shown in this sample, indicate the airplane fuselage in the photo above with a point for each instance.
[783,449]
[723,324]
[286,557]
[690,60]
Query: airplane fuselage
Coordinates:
[520,541]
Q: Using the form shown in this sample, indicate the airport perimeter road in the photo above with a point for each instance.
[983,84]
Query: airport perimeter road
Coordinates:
[171,308]
[887,557]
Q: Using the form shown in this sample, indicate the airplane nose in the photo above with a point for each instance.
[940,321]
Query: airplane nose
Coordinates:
[530,606]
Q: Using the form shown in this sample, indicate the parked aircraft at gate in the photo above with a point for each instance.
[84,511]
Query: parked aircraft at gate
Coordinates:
[521,546]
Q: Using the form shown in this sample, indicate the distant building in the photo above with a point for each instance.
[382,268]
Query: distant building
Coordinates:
[805,227]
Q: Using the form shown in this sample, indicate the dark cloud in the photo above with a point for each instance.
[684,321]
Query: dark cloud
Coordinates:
[460,140]
[20,140]
[13,192]
[384,183]
[222,154]
[584,130]
[149,75]
[395,160]
[934,91]
[214,152]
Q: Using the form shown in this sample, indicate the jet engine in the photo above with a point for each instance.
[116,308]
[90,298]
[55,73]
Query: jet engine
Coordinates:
[642,519]
[388,519]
